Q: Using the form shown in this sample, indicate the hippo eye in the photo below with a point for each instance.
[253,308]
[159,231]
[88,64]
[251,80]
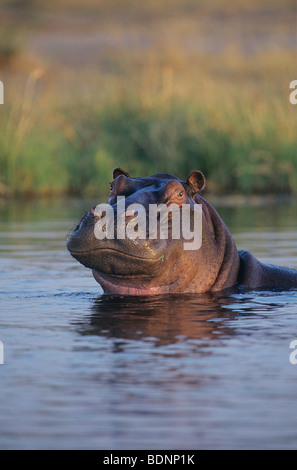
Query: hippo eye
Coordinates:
[180,194]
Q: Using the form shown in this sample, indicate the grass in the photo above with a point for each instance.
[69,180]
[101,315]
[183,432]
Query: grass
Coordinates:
[161,109]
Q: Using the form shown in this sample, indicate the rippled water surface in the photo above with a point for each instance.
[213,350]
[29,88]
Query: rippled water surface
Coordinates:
[87,371]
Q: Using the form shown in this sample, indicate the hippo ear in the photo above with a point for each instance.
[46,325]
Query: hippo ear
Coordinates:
[196,181]
[119,171]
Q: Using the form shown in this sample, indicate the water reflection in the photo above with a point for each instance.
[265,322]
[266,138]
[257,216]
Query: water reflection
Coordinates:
[168,319]
[163,319]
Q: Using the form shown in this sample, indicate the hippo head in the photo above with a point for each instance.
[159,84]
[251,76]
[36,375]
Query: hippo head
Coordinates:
[141,265]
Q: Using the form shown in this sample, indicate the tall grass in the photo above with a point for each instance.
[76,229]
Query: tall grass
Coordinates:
[170,111]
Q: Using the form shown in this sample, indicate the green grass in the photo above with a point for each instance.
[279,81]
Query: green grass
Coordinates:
[162,110]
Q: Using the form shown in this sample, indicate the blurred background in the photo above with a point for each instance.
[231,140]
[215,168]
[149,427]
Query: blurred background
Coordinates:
[158,86]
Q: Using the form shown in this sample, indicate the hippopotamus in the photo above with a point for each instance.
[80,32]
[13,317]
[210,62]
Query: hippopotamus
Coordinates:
[144,266]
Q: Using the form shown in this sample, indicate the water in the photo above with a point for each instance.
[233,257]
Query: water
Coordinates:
[87,371]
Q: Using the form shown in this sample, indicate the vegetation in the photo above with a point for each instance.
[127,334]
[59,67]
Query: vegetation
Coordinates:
[165,107]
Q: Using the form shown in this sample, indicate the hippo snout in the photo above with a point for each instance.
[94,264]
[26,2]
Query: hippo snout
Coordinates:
[115,256]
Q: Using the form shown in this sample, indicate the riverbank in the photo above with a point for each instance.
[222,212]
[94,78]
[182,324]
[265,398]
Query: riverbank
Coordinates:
[152,90]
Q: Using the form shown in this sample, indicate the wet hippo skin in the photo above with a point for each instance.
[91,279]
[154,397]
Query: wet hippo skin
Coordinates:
[158,266]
